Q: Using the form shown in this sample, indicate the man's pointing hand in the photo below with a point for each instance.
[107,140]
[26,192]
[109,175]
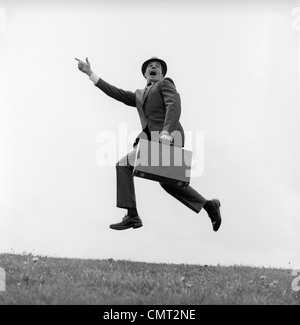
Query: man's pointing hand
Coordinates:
[85,67]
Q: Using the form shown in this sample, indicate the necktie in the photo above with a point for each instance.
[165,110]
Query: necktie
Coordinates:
[148,85]
[146,89]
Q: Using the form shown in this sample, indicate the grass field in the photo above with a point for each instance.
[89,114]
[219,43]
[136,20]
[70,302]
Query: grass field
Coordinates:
[52,281]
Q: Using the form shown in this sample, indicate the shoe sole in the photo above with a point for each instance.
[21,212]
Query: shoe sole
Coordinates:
[218,204]
[137,225]
[134,226]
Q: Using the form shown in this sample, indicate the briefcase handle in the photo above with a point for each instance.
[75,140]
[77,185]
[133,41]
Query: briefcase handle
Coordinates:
[171,144]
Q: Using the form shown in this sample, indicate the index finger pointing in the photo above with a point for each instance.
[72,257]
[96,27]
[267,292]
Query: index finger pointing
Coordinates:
[79,60]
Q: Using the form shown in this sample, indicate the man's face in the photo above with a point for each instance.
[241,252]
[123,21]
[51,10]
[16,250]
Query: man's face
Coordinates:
[154,72]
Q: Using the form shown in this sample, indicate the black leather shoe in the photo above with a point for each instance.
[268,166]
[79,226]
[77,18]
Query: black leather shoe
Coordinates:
[215,216]
[128,222]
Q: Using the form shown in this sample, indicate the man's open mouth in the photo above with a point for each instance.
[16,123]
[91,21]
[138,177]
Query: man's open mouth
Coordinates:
[153,73]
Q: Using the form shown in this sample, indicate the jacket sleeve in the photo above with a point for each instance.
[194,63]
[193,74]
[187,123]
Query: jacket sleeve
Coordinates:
[126,97]
[172,104]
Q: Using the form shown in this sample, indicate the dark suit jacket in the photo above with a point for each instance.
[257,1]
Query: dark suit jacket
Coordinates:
[159,108]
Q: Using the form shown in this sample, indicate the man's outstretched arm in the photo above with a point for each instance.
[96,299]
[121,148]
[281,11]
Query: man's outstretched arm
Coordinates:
[126,97]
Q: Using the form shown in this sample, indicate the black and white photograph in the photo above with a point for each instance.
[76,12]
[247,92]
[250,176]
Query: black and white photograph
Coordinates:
[149,155]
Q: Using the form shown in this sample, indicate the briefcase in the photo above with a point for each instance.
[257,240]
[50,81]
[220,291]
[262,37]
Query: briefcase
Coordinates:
[163,163]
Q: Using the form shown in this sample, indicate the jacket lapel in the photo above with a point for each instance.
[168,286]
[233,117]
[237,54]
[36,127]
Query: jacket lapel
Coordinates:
[139,104]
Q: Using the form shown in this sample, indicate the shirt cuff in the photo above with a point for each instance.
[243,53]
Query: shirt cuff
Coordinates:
[94,78]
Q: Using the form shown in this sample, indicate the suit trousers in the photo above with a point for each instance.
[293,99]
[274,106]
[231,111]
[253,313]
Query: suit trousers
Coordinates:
[126,192]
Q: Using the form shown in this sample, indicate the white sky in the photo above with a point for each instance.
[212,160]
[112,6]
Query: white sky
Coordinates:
[236,67]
